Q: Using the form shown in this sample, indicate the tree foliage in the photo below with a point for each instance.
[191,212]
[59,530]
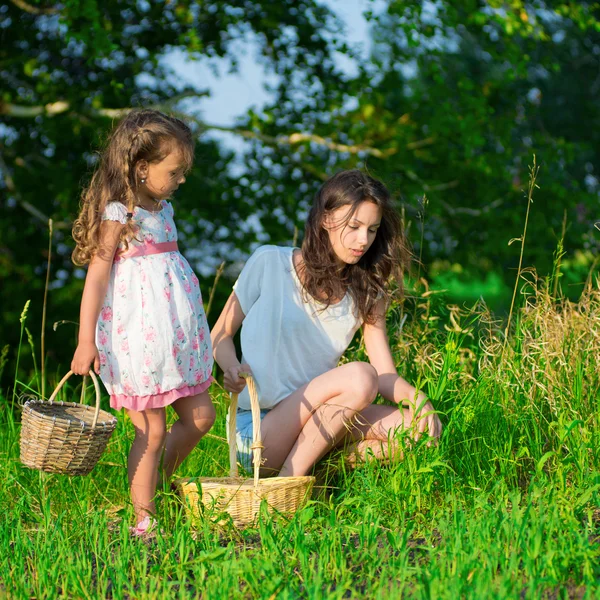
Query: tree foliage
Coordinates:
[452,103]
[456,99]
[70,69]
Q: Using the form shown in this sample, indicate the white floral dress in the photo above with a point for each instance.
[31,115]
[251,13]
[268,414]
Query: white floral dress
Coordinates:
[152,334]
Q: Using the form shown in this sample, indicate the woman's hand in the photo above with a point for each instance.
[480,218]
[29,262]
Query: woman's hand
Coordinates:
[233,381]
[85,354]
[426,420]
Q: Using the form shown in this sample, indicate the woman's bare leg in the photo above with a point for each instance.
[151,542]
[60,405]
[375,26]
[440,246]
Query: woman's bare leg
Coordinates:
[144,458]
[376,433]
[307,424]
[196,416]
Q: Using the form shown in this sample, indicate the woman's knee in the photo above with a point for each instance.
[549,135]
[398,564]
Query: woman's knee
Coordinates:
[364,382]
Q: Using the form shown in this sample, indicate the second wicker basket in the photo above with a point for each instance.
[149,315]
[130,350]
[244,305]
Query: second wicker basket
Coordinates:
[238,496]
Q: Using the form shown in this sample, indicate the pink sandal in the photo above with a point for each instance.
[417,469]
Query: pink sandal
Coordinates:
[144,527]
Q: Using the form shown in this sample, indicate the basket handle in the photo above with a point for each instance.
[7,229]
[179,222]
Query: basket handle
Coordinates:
[257,445]
[96,386]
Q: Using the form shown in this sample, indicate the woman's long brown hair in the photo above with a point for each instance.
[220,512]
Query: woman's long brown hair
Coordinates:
[367,280]
[142,135]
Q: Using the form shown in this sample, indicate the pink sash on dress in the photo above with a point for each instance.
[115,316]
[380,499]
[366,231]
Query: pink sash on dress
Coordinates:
[146,249]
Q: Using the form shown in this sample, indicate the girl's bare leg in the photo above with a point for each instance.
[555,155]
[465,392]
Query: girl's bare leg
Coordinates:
[196,416]
[144,458]
[308,423]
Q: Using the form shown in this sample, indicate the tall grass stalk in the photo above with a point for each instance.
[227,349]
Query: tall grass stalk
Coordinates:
[3,358]
[214,287]
[424,202]
[43,334]
[36,373]
[22,320]
[533,173]
[558,256]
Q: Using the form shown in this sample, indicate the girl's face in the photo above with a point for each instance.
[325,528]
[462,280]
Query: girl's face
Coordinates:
[162,178]
[350,238]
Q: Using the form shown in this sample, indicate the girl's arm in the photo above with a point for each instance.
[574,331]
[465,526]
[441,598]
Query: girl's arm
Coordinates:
[391,386]
[94,292]
[227,325]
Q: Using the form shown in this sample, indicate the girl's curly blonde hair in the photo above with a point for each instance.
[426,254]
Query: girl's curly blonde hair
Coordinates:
[142,135]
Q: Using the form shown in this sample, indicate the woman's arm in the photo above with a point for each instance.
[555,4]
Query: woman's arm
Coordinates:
[227,325]
[391,386]
[94,292]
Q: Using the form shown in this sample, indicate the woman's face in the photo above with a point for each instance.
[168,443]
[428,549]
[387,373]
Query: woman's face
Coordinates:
[351,238]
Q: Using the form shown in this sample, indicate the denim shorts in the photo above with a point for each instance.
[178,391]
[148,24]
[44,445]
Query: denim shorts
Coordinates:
[243,427]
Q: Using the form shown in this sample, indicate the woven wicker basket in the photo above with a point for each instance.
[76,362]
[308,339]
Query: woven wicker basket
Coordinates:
[238,496]
[64,437]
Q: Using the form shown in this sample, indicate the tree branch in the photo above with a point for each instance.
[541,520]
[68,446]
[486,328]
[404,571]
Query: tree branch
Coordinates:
[33,10]
[420,143]
[426,187]
[32,210]
[474,212]
[16,110]
[61,106]
[292,139]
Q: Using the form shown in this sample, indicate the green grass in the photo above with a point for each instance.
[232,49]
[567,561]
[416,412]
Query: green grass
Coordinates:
[505,507]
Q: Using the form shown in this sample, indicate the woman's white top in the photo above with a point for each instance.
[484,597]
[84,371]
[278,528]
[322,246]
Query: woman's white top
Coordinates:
[286,340]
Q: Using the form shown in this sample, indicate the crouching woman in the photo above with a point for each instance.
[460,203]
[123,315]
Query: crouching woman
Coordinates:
[299,310]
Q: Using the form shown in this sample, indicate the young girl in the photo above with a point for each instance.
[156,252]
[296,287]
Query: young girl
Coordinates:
[142,323]
[300,310]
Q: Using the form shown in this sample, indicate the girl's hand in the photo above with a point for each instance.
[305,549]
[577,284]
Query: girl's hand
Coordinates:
[426,420]
[84,356]
[232,381]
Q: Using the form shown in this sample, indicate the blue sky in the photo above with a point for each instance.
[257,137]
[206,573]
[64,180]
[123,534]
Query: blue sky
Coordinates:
[232,94]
